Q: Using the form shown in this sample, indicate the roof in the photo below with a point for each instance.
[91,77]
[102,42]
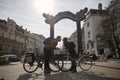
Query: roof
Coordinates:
[3,21]
[96,11]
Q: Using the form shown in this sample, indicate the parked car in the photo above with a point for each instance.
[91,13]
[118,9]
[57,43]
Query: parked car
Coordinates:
[4,60]
[12,57]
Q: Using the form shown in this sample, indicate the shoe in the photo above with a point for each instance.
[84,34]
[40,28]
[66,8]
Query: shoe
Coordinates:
[71,68]
[31,64]
[73,71]
[47,71]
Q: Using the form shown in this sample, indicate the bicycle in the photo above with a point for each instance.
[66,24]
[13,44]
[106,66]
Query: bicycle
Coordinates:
[33,62]
[83,61]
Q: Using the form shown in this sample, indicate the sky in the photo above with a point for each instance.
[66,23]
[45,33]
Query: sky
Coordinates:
[29,13]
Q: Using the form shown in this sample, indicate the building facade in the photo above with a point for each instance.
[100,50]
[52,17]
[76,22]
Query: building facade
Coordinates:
[16,40]
[101,31]
[92,27]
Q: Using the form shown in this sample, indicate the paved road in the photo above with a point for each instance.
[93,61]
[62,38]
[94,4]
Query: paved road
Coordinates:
[100,71]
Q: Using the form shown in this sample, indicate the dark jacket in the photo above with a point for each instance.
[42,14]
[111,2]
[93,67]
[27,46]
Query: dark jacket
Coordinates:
[71,48]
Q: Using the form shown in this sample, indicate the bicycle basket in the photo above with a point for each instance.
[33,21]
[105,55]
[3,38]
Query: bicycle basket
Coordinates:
[57,52]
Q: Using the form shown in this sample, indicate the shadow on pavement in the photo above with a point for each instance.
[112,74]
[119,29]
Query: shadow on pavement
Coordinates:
[89,76]
[36,76]
[27,76]
[65,76]
[58,76]
[24,76]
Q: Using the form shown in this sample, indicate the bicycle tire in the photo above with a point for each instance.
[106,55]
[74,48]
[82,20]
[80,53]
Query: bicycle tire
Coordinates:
[85,62]
[30,68]
[67,64]
[56,65]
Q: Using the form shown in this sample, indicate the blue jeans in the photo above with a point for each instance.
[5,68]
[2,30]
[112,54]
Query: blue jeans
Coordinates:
[73,61]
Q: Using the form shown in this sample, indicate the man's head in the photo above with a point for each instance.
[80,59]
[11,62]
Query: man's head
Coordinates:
[58,38]
[65,39]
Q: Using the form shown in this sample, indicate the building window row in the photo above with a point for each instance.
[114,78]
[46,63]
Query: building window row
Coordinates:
[90,45]
[89,34]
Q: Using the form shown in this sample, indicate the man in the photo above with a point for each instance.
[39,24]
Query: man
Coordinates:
[71,49]
[48,52]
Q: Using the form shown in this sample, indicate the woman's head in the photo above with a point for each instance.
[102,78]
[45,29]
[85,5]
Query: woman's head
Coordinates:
[65,39]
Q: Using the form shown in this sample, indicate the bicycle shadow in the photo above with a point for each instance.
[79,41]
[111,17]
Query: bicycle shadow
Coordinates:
[65,76]
[41,76]
[78,76]
[27,76]
[58,76]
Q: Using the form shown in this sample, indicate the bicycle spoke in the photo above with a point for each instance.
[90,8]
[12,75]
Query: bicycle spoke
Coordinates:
[67,65]
[30,67]
[55,66]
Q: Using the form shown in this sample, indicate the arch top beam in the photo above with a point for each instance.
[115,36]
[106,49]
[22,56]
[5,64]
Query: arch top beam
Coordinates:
[79,16]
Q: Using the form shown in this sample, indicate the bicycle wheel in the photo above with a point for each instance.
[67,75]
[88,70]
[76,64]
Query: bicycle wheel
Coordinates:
[85,62]
[67,64]
[56,65]
[30,67]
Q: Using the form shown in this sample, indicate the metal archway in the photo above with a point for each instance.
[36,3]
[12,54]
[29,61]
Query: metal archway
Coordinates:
[78,17]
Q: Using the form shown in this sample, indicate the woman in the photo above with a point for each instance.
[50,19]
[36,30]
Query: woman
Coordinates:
[71,49]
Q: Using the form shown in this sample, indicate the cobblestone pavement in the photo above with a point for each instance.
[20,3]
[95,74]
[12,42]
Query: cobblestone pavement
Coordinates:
[100,71]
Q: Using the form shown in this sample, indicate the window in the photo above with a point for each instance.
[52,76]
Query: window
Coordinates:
[89,34]
[88,24]
[88,53]
[87,46]
[92,44]
[10,30]
[3,34]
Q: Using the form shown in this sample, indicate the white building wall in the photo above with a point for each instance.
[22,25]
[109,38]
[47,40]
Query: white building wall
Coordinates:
[38,43]
[35,41]
[11,30]
[73,38]
[93,21]
[19,40]
[31,43]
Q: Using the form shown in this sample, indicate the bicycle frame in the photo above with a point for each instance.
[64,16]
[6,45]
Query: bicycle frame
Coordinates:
[39,61]
[79,61]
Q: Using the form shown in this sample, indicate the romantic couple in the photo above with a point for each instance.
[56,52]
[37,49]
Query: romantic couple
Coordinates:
[49,49]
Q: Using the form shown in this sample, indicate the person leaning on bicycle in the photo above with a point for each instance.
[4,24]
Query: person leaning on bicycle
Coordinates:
[50,45]
[70,46]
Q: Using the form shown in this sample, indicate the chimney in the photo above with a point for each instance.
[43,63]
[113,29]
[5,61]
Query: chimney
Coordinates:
[25,29]
[100,6]
[21,27]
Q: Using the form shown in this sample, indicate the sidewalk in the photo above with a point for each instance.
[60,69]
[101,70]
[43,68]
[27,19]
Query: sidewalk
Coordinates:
[100,71]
